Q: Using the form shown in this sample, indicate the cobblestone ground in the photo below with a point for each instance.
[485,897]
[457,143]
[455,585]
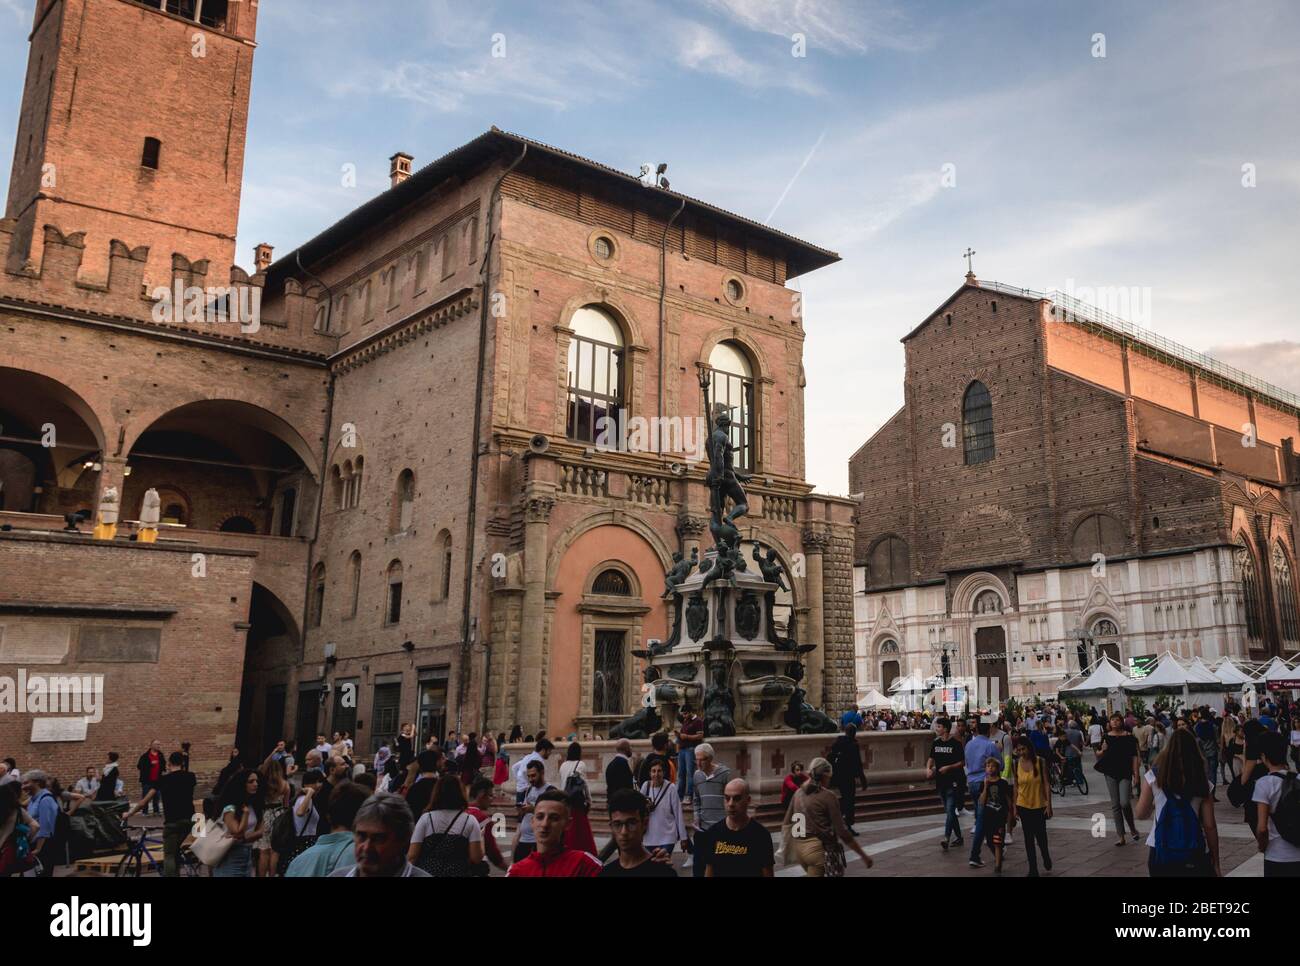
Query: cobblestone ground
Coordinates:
[910,846]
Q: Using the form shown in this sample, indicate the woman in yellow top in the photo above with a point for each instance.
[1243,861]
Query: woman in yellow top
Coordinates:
[1033,802]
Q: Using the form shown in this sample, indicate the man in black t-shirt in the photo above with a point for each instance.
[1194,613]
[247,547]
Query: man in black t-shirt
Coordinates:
[175,788]
[628,817]
[738,846]
[946,766]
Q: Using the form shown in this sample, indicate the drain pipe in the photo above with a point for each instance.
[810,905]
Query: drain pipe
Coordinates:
[471,516]
[663,294]
[325,458]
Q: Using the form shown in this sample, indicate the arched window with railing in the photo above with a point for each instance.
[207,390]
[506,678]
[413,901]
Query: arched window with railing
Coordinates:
[595,376]
[731,389]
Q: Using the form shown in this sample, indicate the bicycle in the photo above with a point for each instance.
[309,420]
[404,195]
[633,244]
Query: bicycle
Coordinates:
[1060,780]
[138,852]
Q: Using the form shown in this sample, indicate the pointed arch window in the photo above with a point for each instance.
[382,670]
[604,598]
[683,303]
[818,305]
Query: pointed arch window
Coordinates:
[977,424]
[1284,590]
[731,388]
[1248,574]
[595,374]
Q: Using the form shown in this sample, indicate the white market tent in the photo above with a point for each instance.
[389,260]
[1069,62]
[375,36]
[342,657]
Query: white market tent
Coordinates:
[1171,676]
[873,700]
[1230,674]
[1102,679]
[1278,672]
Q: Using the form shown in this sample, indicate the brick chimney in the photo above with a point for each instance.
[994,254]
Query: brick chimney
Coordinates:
[262,257]
[399,167]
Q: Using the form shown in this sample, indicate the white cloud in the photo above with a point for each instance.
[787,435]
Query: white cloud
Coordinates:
[1274,362]
[842,26]
[703,49]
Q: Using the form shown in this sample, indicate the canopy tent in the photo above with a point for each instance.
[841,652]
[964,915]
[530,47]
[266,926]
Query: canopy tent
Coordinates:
[1171,676]
[1102,679]
[912,681]
[873,700]
[1279,676]
[1230,674]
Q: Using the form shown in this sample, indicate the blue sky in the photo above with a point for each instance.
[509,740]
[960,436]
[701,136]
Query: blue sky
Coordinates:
[1070,169]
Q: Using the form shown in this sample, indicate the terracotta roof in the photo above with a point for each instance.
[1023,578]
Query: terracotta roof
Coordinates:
[801,256]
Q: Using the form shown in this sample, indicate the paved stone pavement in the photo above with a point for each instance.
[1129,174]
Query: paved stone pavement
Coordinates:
[910,846]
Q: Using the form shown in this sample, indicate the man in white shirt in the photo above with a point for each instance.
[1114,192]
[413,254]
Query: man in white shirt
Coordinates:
[88,785]
[1281,857]
[323,747]
[520,770]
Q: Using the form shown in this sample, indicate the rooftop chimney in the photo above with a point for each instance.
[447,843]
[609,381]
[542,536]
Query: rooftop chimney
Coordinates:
[262,257]
[399,167]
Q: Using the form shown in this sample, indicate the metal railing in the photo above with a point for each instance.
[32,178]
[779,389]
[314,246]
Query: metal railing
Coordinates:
[1072,309]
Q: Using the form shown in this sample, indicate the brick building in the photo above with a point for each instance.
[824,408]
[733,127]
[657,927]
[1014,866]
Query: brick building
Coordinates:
[387,499]
[1060,484]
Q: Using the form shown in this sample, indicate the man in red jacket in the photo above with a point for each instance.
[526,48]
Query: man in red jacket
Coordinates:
[151,767]
[552,859]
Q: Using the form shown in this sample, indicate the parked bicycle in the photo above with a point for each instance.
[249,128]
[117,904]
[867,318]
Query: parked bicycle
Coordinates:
[138,853]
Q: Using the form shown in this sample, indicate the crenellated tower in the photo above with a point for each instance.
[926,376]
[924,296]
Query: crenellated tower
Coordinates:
[132,130]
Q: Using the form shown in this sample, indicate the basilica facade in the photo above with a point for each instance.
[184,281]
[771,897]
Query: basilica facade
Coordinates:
[1061,486]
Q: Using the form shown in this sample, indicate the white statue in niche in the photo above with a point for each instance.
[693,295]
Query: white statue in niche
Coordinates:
[108,506]
[150,508]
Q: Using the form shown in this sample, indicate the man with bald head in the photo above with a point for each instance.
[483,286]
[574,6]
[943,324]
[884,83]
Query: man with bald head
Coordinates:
[739,847]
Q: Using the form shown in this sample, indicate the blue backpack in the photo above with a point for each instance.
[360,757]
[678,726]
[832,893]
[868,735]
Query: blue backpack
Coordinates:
[1180,840]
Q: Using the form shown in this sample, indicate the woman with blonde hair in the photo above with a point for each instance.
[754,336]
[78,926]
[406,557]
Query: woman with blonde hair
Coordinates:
[276,792]
[814,825]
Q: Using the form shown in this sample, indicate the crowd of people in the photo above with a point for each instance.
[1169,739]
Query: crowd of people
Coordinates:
[436,810]
[1161,767]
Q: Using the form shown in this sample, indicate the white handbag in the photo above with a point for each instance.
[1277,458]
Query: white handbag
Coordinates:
[212,843]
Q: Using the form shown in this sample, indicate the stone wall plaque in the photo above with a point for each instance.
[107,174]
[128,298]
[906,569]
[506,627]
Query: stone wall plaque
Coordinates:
[115,643]
[34,642]
[59,729]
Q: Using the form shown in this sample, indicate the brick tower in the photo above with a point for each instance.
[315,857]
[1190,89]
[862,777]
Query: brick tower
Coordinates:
[132,129]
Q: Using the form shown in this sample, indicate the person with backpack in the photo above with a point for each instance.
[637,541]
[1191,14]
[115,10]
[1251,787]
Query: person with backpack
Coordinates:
[333,850]
[1277,824]
[1176,791]
[277,794]
[44,809]
[447,842]
[573,779]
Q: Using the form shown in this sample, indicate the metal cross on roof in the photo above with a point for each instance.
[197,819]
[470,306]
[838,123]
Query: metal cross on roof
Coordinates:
[967,255]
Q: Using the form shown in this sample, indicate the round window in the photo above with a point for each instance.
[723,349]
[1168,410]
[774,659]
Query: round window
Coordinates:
[735,291]
[603,247]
